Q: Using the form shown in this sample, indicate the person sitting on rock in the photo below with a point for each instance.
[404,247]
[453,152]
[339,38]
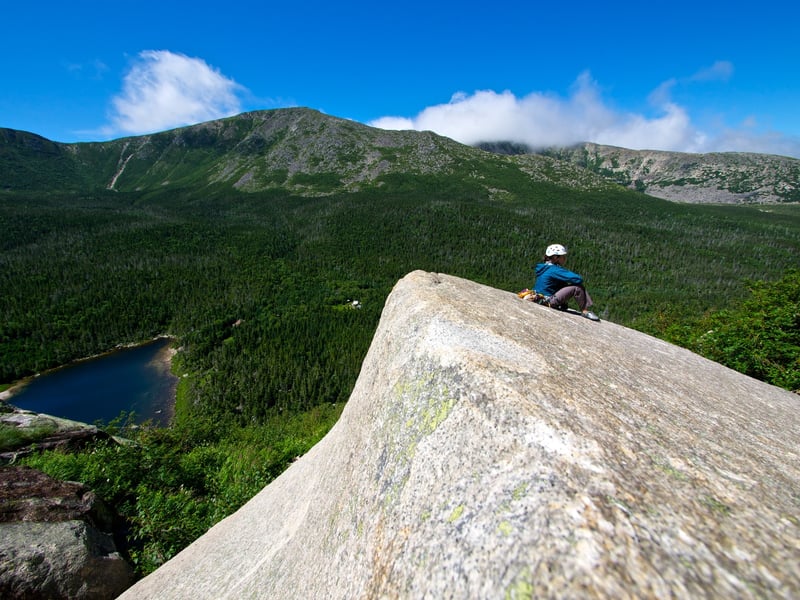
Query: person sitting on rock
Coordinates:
[555,284]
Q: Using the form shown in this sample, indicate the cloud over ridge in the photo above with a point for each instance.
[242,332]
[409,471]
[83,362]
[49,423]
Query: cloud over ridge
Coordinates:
[542,120]
[163,90]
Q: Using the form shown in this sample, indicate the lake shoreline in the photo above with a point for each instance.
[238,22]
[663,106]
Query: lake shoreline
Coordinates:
[162,360]
[19,384]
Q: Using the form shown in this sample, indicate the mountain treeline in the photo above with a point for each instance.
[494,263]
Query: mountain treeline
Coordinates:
[257,285]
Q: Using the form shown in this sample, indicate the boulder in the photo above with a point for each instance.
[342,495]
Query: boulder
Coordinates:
[496,448]
[56,540]
[35,432]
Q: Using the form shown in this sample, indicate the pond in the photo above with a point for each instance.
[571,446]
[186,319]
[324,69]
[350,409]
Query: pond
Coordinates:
[135,379]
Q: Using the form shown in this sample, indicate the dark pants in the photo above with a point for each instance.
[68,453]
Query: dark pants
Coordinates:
[561,298]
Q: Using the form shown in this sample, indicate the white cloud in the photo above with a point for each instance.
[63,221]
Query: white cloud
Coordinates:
[395,123]
[722,70]
[542,120]
[164,90]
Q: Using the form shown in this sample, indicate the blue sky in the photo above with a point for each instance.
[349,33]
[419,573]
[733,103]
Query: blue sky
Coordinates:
[695,76]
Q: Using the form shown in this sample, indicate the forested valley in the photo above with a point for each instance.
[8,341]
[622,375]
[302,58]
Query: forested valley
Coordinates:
[258,289]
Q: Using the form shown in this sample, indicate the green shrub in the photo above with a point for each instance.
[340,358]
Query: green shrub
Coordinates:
[760,338]
[165,522]
[171,485]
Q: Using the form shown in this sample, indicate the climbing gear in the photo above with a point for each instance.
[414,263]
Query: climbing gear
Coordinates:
[552,302]
[534,296]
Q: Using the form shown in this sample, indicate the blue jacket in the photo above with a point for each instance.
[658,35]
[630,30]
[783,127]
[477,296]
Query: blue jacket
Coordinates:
[550,278]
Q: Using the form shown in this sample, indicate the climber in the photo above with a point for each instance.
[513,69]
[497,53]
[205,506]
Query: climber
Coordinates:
[555,284]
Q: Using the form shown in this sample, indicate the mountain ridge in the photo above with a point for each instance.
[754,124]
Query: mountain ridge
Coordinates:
[308,153]
[299,150]
[716,177]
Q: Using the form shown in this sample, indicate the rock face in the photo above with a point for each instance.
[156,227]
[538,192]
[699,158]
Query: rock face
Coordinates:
[496,448]
[56,540]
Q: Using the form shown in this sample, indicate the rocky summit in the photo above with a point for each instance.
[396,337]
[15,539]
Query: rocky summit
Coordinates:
[496,448]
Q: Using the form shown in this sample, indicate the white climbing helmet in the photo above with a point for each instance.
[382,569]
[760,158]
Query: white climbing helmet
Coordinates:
[555,250]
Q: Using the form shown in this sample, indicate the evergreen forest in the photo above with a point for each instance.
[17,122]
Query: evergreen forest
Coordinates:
[257,289]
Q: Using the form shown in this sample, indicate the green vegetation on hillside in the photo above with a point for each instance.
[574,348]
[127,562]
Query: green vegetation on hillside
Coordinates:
[83,273]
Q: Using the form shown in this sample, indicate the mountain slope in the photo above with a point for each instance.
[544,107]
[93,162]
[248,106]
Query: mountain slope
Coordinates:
[298,150]
[726,177]
[305,152]
[29,161]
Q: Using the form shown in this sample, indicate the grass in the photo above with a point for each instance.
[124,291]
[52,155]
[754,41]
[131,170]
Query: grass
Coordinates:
[12,437]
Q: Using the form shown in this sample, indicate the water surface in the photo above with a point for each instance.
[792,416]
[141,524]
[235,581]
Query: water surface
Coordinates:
[133,379]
